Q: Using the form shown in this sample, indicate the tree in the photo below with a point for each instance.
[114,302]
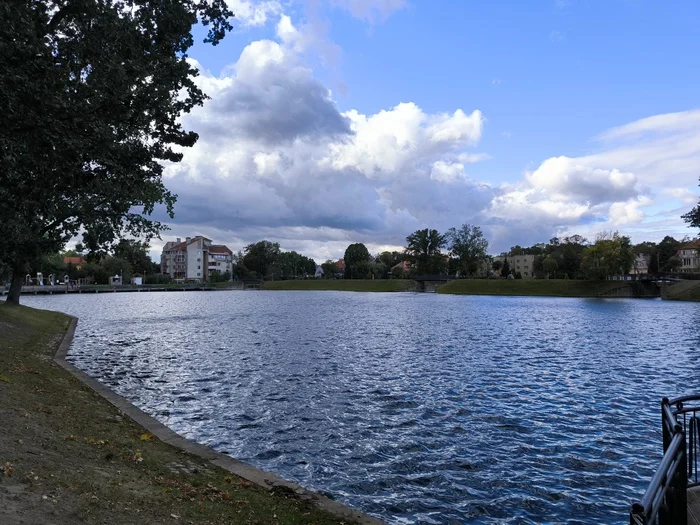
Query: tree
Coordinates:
[693,217]
[91,96]
[469,245]
[667,248]
[506,268]
[673,264]
[260,256]
[612,254]
[497,265]
[356,261]
[330,268]
[136,253]
[549,265]
[424,250]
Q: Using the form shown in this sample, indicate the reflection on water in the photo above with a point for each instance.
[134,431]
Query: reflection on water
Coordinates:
[417,408]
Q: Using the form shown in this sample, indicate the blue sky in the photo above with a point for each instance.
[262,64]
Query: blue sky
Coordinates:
[546,79]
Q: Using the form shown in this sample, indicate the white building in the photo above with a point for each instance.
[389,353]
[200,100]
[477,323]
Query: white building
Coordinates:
[689,254]
[220,259]
[525,264]
[640,266]
[186,261]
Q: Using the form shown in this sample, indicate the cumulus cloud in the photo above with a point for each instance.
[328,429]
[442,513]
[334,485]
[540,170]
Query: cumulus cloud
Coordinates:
[254,13]
[270,97]
[565,178]
[278,159]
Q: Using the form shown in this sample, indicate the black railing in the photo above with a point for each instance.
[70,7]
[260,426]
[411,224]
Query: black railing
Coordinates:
[665,501]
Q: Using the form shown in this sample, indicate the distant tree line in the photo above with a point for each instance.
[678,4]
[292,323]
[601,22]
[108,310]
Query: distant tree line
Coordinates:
[610,254]
[128,258]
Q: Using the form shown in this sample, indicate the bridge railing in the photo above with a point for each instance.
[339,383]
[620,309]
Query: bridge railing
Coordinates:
[665,500]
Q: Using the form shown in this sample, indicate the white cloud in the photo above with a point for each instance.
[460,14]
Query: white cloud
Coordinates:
[253,13]
[446,171]
[566,178]
[277,159]
[682,194]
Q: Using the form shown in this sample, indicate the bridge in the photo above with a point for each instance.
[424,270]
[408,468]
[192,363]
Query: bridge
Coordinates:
[430,283]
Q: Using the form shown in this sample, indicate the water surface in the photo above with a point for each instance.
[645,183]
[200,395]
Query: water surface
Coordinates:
[416,408]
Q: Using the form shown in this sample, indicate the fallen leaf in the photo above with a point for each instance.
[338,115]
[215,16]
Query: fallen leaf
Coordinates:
[8,469]
[146,437]
[5,379]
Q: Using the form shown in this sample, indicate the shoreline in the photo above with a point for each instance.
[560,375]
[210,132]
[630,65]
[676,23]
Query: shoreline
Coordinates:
[75,451]
[266,480]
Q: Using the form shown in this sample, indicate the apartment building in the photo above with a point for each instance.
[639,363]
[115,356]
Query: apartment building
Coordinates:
[186,261]
[689,254]
[220,259]
[525,264]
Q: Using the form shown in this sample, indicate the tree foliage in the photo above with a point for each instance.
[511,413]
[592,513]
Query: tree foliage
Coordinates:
[469,246]
[90,99]
[611,255]
[356,260]
[424,250]
[259,257]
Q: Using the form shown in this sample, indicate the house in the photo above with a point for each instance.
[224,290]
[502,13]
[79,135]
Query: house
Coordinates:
[689,255]
[341,265]
[186,261]
[76,262]
[220,259]
[319,272]
[640,265]
[405,266]
[525,264]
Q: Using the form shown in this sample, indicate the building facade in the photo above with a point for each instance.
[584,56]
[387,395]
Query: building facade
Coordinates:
[689,255]
[525,264]
[220,259]
[640,266]
[186,261]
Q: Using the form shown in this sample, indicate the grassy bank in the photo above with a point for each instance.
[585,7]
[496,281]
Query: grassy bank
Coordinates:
[684,291]
[546,287]
[346,285]
[67,456]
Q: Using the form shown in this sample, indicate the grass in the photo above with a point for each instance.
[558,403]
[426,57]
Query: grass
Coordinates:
[684,291]
[67,456]
[347,285]
[545,287]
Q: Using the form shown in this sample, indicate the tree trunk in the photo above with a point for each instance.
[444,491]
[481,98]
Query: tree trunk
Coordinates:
[15,288]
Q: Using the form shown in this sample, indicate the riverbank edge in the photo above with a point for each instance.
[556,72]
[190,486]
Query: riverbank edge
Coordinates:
[261,478]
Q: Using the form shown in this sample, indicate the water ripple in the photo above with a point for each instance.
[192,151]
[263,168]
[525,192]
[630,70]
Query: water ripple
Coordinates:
[415,408]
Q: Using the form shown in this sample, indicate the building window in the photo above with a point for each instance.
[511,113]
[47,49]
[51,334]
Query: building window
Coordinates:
[199,268]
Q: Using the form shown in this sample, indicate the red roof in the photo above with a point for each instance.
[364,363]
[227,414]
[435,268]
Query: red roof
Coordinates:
[220,249]
[75,261]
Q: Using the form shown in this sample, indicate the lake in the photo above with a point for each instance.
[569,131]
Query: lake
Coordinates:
[416,408]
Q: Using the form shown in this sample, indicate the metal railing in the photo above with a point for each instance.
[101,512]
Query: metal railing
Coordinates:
[665,501]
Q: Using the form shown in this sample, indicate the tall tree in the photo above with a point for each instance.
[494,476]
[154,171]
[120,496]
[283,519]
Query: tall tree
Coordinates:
[424,250]
[612,254]
[356,260]
[667,248]
[693,216]
[260,256]
[136,254]
[90,99]
[469,245]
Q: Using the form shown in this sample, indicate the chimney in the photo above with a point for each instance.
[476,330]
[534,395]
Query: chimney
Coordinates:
[178,240]
[187,239]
